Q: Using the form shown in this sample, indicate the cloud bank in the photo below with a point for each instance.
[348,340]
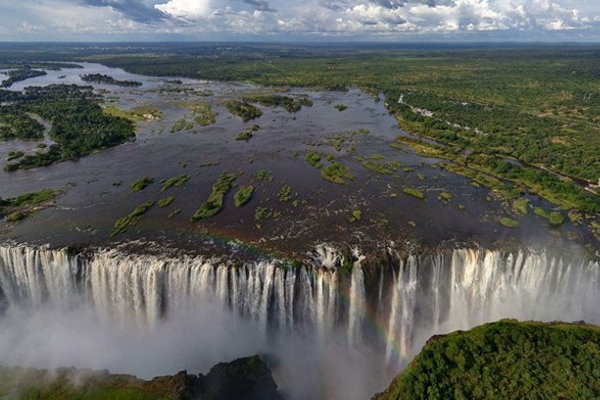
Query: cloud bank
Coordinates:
[354,19]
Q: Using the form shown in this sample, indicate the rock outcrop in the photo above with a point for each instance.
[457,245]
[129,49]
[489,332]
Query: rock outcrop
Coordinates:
[242,379]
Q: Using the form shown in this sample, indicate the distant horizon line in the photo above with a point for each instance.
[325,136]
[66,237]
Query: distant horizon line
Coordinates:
[307,42]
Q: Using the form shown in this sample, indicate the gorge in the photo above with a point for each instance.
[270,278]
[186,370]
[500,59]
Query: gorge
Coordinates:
[382,311]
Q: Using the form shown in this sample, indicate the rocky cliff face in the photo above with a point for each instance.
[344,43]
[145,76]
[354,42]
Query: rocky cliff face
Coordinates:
[245,378]
[242,379]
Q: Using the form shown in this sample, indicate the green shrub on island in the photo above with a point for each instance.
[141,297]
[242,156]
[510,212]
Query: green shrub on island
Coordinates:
[508,222]
[203,113]
[132,219]
[341,107]
[313,159]
[383,168]
[248,133]
[285,193]
[505,360]
[414,192]
[245,135]
[18,216]
[166,202]
[555,218]
[243,195]
[31,199]
[264,175]
[355,216]
[242,109]
[141,184]
[182,124]
[445,196]
[174,182]
[336,172]
[289,103]
[519,206]
[262,213]
[214,204]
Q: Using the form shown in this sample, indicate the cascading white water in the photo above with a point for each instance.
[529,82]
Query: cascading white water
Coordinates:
[423,295]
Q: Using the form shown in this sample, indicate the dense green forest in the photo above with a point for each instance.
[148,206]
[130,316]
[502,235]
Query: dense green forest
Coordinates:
[505,360]
[16,124]
[78,124]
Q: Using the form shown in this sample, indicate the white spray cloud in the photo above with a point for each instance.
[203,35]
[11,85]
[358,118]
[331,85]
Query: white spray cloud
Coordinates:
[192,339]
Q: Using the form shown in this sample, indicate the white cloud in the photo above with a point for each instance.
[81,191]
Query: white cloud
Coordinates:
[187,9]
[353,18]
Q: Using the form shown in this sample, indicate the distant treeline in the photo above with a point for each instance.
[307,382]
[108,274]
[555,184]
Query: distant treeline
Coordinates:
[18,75]
[109,80]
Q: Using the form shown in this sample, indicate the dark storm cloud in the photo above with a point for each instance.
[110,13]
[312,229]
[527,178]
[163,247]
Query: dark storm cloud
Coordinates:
[135,10]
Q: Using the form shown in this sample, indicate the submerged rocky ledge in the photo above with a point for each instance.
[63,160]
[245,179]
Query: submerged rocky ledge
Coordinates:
[245,378]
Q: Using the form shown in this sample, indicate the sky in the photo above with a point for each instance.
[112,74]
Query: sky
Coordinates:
[300,20]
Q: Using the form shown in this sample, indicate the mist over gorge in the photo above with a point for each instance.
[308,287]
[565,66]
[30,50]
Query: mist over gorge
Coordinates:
[151,315]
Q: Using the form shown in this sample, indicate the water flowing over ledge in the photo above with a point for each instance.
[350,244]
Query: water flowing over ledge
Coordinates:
[393,308]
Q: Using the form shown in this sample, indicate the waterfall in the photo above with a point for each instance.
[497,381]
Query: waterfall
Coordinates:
[398,309]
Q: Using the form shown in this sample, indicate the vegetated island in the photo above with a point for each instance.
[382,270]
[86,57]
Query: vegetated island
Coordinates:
[108,80]
[245,378]
[505,360]
[21,74]
[18,208]
[79,125]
